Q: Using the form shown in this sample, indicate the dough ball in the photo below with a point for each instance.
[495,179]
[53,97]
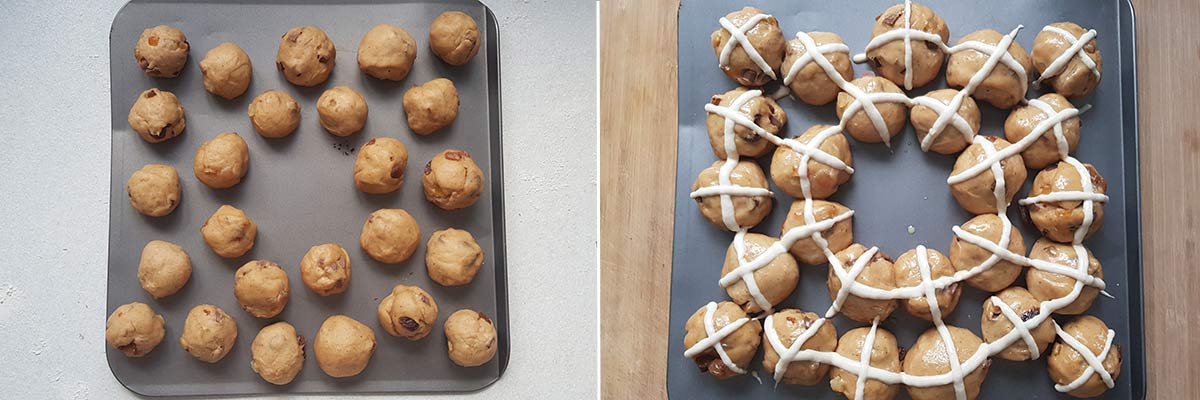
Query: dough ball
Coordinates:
[1048,285]
[431,106]
[823,180]
[1003,87]
[748,211]
[885,354]
[1074,79]
[889,58]
[164,268]
[408,312]
[995,324]
[878,273]
[261,287]
[977,194]
[306,56]
[343,111]
[1065,364]
[452,180]
[761,109]
[274,114]
[789,325]
[390,235]
[222,162]
[950,139]
[858,124]
[343,346]
[741,345]
[929,357]
[325,269]
[775,281]
[154,190]
[226,70]
[156,116]
[1043,151]
[452,257]
[380,166]
[765,37]
[208,333]
[229,232]
[387,52]
[964,255]
[454,37]
[470,338]
[838,237]
[908,274]
[161,51]
[810,84]
[1059,220]
[277,353]
[134,329]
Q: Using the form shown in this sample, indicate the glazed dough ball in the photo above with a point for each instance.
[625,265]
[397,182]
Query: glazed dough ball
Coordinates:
[380,166]
[277,353]
[431,106]
[452,180]
[408,312]
[965,255]
[1059,220]
[761,109]
[208,333]
[889,58]
[343,346]
[885,354]
[1003,87]
[810,84]
[929,357]
[390,235]
[1066,364]
[977,194]
[1073,79]
[222,162]
[995,324]
[949,140]
[470,338]
[154,190]
[387,52]
[838,237]
[741,345]
[823,180]
[748,211]
[226,70]
[306,56]
[229,232]
[452,258]
[765,37]
[134,329]
[342,111]
[156,116]
[878,274]
[261,287]
[789,325]
[274,114]
[454,37]
[164,268]
[161,51]
[325,269]
[908,274]
[775,281]
[1048,285]
[1043,151]
[859,125]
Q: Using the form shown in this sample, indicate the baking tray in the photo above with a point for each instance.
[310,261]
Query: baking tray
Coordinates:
[892,189]
[300,192]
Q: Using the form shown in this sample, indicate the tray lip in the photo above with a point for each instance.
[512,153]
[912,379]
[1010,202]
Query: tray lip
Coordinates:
[500,243]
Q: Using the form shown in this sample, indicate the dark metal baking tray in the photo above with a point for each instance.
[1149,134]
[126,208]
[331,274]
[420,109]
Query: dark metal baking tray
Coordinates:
[300,192]
[892,189]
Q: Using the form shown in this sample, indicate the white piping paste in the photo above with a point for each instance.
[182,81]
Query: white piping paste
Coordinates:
[787,354]
[1094,364]
[1018,326]
[725,188]
[714,337]
[865,359]
[1075,50]
[935,312]
[737,36]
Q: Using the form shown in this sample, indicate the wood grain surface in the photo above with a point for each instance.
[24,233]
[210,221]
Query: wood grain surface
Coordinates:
[638,127]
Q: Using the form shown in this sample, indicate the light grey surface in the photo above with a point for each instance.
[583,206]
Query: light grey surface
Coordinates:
[54,198]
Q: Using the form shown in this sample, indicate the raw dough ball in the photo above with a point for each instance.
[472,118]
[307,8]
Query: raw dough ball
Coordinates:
[226,70]
[1043,151]
[229,232]
[929,357]
[343,346]
[134,329]
[452,180]
[741,345]
[789,325]
[222,162]
[885,354]
[380,166]
[325,269]
[164,268]
[261,287]
[838,237]
[277,353]
[823,180]
[748,211]
[888,59]
[408,312]
[765,37]
[390,235]
[761,109]
[995,325]
[859,125]
[454,37]
[1003,87]
[208,333]
[161,51]
[965,256]
[810,84]
[387,52]
[156,116]
[470,338]
[154,190]
[342,111]
[908,274]
[1074,79]
[1066,364]
[1048,285]
[452,258]
[431,106]
[274,114]
[878,274]
[306,56]
[977,194]
[775,281]
[949,140]
[1059,220]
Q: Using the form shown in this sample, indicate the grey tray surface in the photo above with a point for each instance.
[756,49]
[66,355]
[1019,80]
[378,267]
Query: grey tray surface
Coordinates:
[893,189]
[300,192]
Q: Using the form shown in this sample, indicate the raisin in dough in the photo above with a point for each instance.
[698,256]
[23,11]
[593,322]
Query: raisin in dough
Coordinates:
[390,235]
[454,37]
[452,258]
[325,269]
[163,269]
[274,114]
[380,165]
[387,52]
[342,111]
[470,338]
[156,116]
[343,346]
[408,312]
[306,56]
[161,51]
[226,70]
[431,106]
[134,329]
[277,353]
[229,232]
[154,190]
[261,287]
[208,333]
[222,162]
[452,180]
